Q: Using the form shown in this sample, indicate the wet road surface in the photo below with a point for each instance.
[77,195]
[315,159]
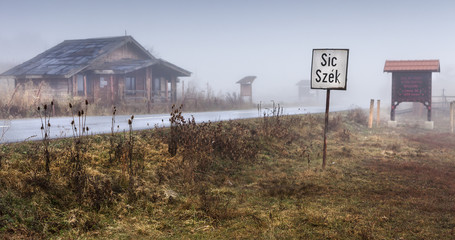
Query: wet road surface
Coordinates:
[29,129]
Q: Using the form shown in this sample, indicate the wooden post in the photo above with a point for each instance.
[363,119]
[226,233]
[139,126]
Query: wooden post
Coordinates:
[370,118]
[148,83]
[70,86]
[174,89]
[451,116]
[392,112]
[166,94]
[183,91]
[378,120]
[85,86]
[111,77]
[429,113]
[326,128]
[74,85]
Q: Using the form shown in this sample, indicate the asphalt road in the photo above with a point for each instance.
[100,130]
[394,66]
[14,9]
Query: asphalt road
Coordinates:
[18,130]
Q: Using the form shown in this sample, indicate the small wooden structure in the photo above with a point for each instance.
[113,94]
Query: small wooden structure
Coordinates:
[305,93]
[411,82]
[304,87]
[246,89]
[103,70]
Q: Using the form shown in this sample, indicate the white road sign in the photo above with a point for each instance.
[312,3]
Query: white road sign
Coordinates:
[329,69]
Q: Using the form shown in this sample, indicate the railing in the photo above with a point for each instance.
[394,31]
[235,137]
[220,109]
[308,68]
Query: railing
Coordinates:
[135,93]
[160,93]
[437,102]
[157,96]
[442,102]
[160,96]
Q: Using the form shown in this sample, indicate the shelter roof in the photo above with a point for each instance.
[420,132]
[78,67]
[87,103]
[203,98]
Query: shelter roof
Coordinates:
[411,65]
[247,80]
[177,70]
[305,82]
[72,56]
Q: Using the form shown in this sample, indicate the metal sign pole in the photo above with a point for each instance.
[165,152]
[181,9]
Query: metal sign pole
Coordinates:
[326,128]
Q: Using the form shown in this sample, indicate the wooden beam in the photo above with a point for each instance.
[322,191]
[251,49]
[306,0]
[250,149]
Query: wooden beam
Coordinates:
[148,82]
[74,85]
[183,91]
[370,117]
[70,86]
[166,89]
[121,88]
[452,105]
[174,89]
[112,89]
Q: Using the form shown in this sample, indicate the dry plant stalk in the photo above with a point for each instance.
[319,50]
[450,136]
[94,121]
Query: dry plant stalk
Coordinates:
[77,171]
[45,116]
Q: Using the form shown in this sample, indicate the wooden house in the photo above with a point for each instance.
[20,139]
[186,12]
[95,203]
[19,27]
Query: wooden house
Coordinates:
[102,70]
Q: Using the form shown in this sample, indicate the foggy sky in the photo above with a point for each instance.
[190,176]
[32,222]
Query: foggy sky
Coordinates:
[222,41]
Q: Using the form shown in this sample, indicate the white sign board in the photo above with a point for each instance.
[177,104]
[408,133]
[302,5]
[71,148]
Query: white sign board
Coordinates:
[329,69]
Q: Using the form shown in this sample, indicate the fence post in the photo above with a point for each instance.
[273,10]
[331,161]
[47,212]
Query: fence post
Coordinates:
[451,116]
[378,120]
[370,119]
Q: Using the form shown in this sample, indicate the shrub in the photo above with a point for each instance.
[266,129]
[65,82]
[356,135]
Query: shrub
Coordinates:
[335,123]
[357,115]
[234,141]
[201,145]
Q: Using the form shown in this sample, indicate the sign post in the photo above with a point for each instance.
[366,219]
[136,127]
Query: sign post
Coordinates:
[411,82]
[329,70]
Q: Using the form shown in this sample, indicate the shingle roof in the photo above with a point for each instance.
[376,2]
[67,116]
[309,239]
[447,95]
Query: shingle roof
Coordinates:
[411,65]
[247,80]
[180,71]
[71,56]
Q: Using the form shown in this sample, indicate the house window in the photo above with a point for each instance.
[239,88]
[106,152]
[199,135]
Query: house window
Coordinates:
[130,85]
[80,85]
[103,82]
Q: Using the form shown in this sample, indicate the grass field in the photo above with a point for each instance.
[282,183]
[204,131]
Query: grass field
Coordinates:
[249,179]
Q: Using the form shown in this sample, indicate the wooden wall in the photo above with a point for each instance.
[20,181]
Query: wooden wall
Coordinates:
[54,88]
[246,90]
[106,89]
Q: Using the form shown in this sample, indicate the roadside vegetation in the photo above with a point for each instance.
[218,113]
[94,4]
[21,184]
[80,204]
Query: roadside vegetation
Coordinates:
[247,179]
[21,102]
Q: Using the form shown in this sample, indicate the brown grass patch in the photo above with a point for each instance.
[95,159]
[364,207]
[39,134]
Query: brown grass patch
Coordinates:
[434,140]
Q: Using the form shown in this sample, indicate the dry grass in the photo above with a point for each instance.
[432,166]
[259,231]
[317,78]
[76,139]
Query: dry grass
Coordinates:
[379,184]
[21,101]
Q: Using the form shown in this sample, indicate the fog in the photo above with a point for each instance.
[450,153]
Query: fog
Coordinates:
[220,42]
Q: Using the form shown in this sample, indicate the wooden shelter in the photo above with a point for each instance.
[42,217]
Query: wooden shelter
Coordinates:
[411,82]
[246,89]
[104,70]
[305,93]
